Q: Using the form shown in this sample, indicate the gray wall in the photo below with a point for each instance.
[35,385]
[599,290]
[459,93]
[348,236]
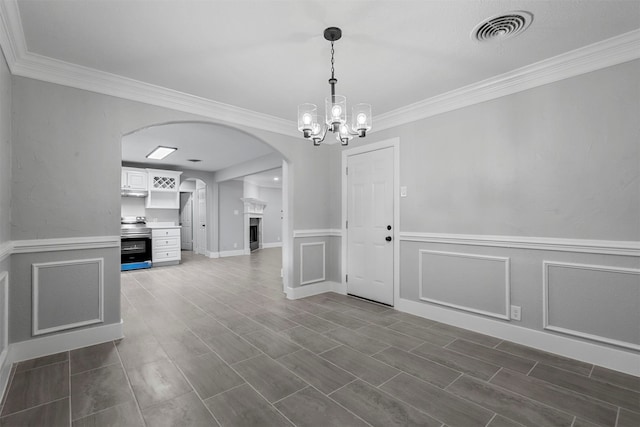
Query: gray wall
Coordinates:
[272,218]
[231,225]
[557,161]
[560,160]
[5,151]
[65,179]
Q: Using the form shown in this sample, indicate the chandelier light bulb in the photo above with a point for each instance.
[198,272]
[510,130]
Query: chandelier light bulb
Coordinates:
[335,118]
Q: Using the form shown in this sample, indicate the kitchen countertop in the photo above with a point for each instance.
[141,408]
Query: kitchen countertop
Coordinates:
[162,225]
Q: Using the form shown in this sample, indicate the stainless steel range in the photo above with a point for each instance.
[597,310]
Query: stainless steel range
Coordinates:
[135,247]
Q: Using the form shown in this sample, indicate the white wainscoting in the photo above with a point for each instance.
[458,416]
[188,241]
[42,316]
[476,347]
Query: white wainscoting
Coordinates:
[5,364]
[304,248]
[5,249]
[597,310]
[452,279]
[38,271]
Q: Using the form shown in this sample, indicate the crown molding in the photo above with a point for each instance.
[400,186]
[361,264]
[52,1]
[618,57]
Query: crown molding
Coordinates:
[606,53]
[26,64]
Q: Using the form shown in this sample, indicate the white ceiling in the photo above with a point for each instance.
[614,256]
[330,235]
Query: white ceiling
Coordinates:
[268,56]
[217,146]
[266,178]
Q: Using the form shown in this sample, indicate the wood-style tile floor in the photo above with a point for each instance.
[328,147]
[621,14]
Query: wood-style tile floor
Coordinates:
[214,342]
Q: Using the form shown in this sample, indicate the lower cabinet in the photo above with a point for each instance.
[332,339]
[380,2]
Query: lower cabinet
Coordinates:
[165,243]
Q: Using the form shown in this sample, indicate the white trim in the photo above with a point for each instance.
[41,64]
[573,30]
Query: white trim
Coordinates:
[617,359]
[4,279]
[36,267]
[224,254]
[387,143]
[505,260]
[211,254]
[315,289]
[26,64]
[545,301]
[65,244]
[6,249]
[604,247]
[51,344]
[320,232]
[272,245]
[606,53]
[324,263]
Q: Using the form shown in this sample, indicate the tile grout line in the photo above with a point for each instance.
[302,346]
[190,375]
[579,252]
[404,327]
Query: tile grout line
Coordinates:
[396,375]
[494,375]
[489,422]
[532,368]
[618,416]
[36,406]
[126,375]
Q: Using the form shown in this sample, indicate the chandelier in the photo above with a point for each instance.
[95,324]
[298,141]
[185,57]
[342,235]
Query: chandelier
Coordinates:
[335,110]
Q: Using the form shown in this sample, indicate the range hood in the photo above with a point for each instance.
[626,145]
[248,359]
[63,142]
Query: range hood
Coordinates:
[134,193]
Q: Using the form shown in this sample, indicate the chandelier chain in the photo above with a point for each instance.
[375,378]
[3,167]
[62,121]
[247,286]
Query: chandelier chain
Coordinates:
[332,52]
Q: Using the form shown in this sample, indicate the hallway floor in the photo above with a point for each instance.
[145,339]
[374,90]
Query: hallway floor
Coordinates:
[215,342]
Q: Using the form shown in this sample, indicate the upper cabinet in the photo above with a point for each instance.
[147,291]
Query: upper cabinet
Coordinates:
[164,189]
[133,179]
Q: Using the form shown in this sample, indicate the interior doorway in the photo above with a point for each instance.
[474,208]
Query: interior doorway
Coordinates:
[193,214]
[370,221]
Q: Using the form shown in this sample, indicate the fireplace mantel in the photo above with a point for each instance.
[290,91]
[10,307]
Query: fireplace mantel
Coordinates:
[253,206]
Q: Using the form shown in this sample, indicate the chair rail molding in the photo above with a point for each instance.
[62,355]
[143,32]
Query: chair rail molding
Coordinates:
[602,247]
[321,232]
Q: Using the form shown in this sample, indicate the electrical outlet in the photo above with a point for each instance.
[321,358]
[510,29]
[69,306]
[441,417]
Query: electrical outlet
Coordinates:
[516,312]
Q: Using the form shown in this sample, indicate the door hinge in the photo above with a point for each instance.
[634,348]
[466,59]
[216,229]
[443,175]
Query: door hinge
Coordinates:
[346,278]
[346,225]
[346,171]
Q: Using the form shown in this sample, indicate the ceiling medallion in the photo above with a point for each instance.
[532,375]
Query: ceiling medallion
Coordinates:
[335,110]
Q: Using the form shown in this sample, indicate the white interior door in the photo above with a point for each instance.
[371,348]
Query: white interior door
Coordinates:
[186,221]
[369,228]
[202,221]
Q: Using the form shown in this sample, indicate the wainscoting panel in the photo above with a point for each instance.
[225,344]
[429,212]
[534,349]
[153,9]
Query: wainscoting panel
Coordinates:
[470,282]
[57,286]
[312,262]
[600,303]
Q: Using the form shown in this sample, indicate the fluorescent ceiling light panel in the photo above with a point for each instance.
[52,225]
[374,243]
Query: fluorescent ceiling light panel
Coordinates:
[160,152]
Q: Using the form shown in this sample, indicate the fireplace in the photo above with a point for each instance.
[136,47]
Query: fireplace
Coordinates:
[254,233]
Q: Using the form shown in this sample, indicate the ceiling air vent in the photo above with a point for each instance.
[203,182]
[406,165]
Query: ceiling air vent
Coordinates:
[194,160]
[503,26]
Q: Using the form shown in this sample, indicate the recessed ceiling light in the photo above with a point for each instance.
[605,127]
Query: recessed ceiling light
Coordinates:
[160,152]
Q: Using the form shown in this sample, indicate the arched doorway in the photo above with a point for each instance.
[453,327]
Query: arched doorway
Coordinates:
[209,153]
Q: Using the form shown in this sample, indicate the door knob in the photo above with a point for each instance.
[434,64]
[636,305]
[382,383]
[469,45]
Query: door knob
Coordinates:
[388,227]
[388,238]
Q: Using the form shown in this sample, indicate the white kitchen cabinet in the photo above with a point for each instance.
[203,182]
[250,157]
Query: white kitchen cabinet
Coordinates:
[134,179]
[165,244]
[164,189]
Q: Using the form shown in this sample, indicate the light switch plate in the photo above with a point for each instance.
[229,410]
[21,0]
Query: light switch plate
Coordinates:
[403,191]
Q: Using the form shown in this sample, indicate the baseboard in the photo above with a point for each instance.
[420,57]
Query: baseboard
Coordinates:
[224,254]
[315,289]
[55,343]
[619,360]
[272,245]
[213,254]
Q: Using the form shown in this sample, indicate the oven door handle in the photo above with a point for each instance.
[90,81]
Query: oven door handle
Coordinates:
[136,236]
